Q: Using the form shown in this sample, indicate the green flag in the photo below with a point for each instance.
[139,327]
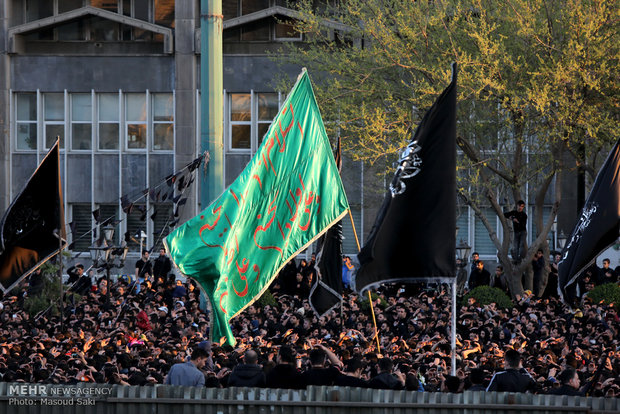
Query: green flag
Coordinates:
[287,196]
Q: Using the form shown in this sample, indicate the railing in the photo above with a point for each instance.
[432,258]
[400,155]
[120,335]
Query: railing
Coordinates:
[18,398]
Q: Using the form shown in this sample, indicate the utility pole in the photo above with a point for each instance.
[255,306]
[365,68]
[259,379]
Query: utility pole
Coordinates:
[212,100]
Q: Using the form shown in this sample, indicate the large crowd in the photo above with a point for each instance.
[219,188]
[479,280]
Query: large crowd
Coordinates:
[156,332]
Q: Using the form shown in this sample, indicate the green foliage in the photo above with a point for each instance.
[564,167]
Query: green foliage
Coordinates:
[608,293]
[364,304]
[49,294]
[537,81]
[267,299]
[485,295]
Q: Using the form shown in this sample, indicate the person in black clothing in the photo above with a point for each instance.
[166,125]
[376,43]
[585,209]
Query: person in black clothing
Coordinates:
[538,266]
[144,270]
[399,326]
[476,377]
[569,380]
[451,384]
[606,274]
[551,289]
[162,265]
[499,280]
[519,223]
[248,374]
[81,283]
[75,272]
[479,276]
[319,374]
[35,283]
[285,374]
[385,379]
[515,378]
[352,377]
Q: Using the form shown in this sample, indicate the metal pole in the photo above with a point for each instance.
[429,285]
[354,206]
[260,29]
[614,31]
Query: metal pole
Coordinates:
[212,101]
[62,299]
[372,307]
[107,279]
[453,330]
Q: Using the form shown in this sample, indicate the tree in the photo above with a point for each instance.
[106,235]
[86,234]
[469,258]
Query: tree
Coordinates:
[538,91]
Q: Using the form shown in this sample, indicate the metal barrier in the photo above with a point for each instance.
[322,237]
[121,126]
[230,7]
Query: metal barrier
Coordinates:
[19,398]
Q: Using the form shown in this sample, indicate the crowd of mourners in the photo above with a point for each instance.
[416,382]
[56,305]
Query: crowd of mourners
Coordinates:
[156,332]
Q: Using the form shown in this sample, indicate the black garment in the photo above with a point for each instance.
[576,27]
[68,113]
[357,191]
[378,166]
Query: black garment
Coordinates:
[479,278]
[551,290]
[247,375]
[477,387]
[500,282]
[344,380]
[512,380]
[35,283]
[73,275]
[399,327]
[566,390]
[538,265]
[321,376]
[144,268]
[82,286]
[285,376]
[521,223]
[385,381]
[162,267]
[602,279]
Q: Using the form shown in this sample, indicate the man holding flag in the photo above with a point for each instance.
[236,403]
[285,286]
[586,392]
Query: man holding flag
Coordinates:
[289,194]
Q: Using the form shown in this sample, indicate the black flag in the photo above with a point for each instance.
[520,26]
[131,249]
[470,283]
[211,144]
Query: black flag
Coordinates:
[597,227]
[413,237]
[326,292]
[31,226]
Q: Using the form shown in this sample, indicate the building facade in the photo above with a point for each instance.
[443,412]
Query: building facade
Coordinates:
[119,82]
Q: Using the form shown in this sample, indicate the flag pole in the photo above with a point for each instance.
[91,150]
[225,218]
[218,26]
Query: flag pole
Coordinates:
[62,299]
[372,308]
[453,333]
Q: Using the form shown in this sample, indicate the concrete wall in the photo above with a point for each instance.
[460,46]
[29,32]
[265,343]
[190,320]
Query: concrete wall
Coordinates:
[101,73]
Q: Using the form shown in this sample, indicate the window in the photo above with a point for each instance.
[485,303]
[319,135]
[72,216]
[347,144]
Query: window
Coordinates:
[96,29]
[54,126]
[136,223]
[108,121]
[285,30]
[82,220]
[249,118]
[68,5]
[240,120]
[135,115]
[164,12]
[94,121]
[267,110]
[163,121]
[38,9]
[482,241]
[160,224]
[110,5]
[81,121]
[26,117]
[110,212]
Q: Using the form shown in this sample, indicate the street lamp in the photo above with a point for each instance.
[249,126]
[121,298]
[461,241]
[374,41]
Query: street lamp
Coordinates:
[107,256]
[561,240]
[462,252]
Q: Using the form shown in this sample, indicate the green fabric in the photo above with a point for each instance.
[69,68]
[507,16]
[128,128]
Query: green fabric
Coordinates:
[287,196]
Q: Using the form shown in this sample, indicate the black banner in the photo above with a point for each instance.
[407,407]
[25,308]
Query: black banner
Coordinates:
[31,227]
[414,233]
[326,293]
[597,228]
